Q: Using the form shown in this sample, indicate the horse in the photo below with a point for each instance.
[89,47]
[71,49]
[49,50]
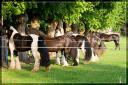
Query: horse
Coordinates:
[32,30]
[75,43]
[20,43]
[84,44]
[60,43]
[97,46]
[59,31]
[110,37]
[52,43]
[20,23]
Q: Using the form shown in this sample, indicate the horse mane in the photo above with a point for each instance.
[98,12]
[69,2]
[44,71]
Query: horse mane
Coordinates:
[36,31]
[41,34]
[116,34]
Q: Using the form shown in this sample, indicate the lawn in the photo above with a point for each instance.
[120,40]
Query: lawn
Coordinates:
[111,68]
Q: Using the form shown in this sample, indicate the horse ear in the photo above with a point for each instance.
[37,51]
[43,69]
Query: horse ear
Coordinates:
[11,27]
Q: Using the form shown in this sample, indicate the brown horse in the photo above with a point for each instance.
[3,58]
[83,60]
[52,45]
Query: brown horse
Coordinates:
[65,44]
[68,44]
[54,44]
[110,37]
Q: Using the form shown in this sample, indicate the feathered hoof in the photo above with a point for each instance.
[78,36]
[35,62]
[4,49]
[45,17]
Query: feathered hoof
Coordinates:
[65,65]
[35,70]
[95,60]
[57,63]
[12,65]
[86,62]
[18,68]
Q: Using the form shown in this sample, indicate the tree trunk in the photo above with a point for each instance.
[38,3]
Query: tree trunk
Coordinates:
[51,28]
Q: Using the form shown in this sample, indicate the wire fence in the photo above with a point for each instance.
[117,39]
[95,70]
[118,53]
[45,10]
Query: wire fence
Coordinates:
[54,40]
[109,48]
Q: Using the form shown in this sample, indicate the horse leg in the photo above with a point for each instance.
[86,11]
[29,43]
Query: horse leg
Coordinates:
[57,59]
[37,61]
[88,52]
[17,62]
[94,57]
[64,61]
[18,65]
[83,47]
[12,63]
[117,45]
[78,55]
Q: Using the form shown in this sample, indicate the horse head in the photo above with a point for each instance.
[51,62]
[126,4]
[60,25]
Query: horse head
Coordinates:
[35,23]
[22,18]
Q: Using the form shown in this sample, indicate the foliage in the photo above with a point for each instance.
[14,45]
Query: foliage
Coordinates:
[105,15]
[94,15]
[117,16]
[9,8]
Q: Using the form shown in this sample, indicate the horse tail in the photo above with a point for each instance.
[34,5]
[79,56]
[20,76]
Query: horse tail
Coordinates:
[74,53]
[45,59]
[88,49]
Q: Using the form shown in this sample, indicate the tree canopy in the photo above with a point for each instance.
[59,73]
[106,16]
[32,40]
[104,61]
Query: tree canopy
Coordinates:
[93,15]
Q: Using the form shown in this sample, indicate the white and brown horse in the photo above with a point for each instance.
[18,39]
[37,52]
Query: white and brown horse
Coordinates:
[97,45]
[89,51]
[32,42]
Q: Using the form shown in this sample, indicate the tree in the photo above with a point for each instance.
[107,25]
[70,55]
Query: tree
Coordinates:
[94,15]
[105,15]
[9,8]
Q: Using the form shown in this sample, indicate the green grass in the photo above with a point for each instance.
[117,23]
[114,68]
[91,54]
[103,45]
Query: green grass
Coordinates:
[111,68]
